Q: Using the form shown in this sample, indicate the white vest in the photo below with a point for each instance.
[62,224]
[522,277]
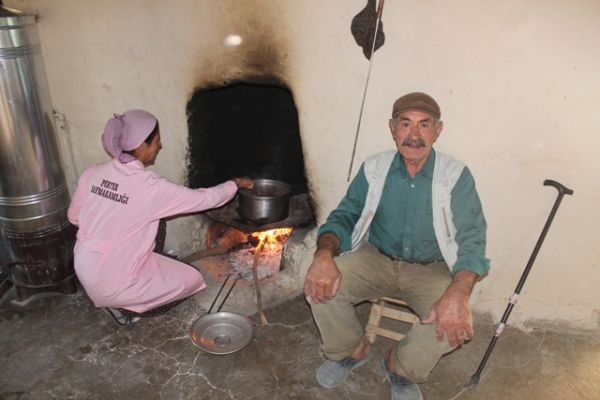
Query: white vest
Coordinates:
[446,172]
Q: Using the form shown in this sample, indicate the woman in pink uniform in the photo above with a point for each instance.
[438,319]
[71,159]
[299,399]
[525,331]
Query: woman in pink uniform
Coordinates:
[118,205]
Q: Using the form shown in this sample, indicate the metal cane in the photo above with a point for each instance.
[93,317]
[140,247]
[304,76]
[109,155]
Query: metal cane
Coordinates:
[562,190]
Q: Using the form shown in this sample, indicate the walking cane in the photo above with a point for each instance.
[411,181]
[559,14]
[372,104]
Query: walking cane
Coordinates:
[562,190]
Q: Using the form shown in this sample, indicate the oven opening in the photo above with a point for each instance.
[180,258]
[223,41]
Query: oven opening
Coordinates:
[244,129]
[248,129]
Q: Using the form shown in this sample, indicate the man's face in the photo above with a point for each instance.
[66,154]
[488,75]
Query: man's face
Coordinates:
[414,133]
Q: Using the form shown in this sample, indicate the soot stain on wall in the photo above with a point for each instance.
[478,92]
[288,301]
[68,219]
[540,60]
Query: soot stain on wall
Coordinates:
[262,52]
[242,119]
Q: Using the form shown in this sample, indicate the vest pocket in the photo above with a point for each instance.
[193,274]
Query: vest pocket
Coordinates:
[446,223]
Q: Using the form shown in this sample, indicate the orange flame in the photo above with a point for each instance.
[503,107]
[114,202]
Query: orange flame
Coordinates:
[272,240]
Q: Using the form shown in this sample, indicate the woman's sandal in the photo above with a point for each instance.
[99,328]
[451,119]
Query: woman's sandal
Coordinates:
[119,317]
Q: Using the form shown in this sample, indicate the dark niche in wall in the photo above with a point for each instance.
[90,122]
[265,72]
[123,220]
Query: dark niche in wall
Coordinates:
[244,129]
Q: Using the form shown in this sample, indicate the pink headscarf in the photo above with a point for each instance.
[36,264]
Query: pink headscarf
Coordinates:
[126,132]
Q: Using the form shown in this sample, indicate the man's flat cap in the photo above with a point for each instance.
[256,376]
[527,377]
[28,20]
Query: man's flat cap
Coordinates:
[416,101]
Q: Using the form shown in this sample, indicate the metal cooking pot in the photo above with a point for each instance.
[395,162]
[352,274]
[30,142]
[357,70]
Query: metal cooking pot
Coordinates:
[268,202]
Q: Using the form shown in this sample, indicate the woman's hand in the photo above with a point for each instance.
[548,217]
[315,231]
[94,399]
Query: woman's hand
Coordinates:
[244,182]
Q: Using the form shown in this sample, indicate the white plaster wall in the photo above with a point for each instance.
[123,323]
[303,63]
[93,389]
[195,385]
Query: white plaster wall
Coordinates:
[517,82]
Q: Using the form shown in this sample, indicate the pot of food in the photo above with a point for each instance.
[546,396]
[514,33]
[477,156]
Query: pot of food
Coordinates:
[267,202]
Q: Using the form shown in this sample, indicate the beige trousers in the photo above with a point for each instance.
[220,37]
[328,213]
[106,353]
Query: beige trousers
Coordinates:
[368,274]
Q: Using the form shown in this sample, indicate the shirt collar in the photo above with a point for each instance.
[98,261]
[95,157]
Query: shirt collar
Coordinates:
[136,164]
[427,169]
[429,165]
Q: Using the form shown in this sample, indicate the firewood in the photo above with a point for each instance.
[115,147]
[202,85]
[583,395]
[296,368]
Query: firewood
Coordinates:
[261,313]
[215,251]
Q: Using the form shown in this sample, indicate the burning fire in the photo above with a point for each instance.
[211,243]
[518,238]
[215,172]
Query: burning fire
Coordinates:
[272,240]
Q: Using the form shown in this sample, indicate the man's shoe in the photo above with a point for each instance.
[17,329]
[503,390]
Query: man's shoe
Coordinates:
[331,373]
[401,388]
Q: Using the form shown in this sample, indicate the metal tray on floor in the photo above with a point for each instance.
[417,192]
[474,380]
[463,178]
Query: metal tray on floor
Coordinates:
[222,332]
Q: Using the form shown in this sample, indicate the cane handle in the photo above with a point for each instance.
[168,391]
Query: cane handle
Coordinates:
[562,189]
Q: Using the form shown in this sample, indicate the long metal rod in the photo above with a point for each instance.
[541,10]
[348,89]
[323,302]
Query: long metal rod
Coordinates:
[362,104]
[218,294]
[562,190]
[227,295]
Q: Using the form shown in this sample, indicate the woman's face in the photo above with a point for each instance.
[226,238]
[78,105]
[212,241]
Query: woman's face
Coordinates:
[147,153]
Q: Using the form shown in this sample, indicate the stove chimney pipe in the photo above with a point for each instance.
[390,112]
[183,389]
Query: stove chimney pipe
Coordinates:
[33,193]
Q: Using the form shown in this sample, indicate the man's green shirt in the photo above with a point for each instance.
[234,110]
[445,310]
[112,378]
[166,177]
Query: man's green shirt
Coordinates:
[403,224]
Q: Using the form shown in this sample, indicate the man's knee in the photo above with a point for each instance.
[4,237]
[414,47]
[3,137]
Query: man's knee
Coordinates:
[326,307]
[419,352]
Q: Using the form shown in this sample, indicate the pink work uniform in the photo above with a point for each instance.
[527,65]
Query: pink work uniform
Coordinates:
[117,208]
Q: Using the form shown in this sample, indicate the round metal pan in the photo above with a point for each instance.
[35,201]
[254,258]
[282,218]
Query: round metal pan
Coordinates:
[222,332]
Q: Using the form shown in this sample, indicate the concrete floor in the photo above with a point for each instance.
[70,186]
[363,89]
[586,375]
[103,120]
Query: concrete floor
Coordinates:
[64,348]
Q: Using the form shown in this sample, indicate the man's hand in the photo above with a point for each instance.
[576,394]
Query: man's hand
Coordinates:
[452,312]
[323,278]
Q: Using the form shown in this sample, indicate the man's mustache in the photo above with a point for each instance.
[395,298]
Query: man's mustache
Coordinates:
[413,142]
